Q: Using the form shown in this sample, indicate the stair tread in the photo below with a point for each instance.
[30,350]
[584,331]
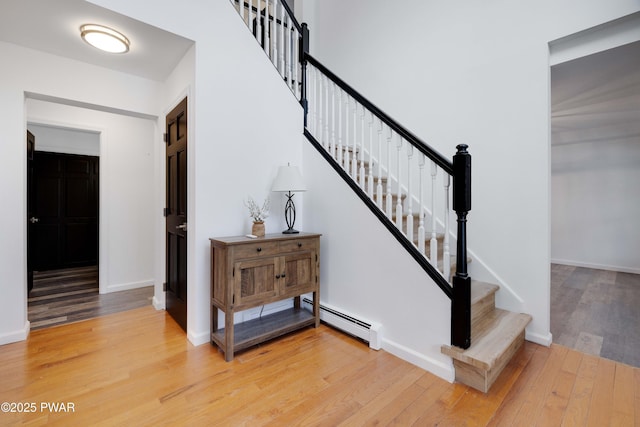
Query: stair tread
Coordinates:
[480,290]
[493,339]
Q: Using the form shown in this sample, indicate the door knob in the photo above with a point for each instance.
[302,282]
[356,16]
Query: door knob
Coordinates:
[33,220]
[182,226]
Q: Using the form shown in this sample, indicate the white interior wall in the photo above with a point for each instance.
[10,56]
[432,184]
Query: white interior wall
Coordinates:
[78,85]
[595,203]
[474,73]
[242,132]
[366,272]
[55,139]
[127,188]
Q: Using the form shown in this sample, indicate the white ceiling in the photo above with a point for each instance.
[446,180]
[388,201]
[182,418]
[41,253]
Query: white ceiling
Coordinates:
[53,26]
[596,98]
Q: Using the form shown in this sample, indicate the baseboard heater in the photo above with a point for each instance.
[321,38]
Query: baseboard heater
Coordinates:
[368,331]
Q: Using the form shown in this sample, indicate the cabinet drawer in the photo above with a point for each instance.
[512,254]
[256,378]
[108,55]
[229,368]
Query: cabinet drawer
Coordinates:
[258,249]
[298,245]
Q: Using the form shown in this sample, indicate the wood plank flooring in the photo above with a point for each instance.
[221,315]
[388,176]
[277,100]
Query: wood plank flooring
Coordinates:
[137,368]
[70,295]
[596,312]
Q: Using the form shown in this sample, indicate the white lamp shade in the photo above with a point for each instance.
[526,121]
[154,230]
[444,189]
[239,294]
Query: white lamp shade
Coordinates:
[288,179]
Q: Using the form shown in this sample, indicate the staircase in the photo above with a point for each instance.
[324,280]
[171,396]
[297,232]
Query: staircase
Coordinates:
[496,335]
[404,182]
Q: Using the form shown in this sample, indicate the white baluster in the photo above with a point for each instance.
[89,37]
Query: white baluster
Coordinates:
[333,121]
[347,155]
[250,22]
[371,159]
[318,87]
[326,112]
[265,35]
[433,244]
[241,8]
[379,187]
[288,52]
[388,201]
[296,62]
[421,236]
[321,111]
[281,30]
[319,108]
[273,36]
[311,82]
[399,193]
[446,256]
[362,176]
[409,194]
[338,155]
[258,24]
[354,155]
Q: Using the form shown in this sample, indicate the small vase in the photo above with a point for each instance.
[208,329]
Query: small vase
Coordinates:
[257,229]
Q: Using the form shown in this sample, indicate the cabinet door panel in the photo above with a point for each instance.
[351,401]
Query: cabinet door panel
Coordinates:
[299,272]
[255,280]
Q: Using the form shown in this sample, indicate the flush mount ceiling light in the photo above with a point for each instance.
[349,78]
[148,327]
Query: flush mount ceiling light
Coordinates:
[104,38]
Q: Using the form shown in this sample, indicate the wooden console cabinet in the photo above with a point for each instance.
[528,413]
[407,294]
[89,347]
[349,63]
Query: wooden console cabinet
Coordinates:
[246,273]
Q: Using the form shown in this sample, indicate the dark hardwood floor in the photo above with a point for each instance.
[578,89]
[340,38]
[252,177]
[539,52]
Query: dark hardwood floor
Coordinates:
[596,312]
[70,295]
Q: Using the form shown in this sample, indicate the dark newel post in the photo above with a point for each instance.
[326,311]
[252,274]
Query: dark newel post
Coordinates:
[304,50]
[461,302]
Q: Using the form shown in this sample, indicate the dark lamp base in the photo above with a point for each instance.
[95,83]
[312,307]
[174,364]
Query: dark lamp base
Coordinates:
[290,231]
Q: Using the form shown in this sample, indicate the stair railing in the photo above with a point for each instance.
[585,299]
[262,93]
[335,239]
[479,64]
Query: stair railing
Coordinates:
[399,177]
[278,33]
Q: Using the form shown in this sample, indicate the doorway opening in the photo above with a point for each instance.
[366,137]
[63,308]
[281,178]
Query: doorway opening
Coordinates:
[595,200]
[125,243]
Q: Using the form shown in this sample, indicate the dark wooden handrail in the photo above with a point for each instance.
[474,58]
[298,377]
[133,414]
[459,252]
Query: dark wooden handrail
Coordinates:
[432,154]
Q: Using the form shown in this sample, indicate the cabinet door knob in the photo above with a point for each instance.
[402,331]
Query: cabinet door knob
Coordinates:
[277,276]
[283,275]
[299,244]
[259,249]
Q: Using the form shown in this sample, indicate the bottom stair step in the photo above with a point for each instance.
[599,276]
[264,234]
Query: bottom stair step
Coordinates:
[495,340]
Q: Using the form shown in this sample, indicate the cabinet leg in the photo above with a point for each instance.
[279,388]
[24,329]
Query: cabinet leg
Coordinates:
[296,302]
[316,307]
[214,320]
[228,336]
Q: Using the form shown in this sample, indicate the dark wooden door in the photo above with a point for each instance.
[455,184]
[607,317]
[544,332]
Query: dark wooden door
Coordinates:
[31,147]
[64,219]
[176,214]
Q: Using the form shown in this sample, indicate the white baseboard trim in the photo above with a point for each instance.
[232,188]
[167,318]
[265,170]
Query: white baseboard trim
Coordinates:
[198,338]
[128,286]
[436,367]
[596,266]
[537,338]
[16,336]
[159,304]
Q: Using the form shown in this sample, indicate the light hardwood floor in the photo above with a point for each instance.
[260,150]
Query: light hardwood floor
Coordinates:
[137,368]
